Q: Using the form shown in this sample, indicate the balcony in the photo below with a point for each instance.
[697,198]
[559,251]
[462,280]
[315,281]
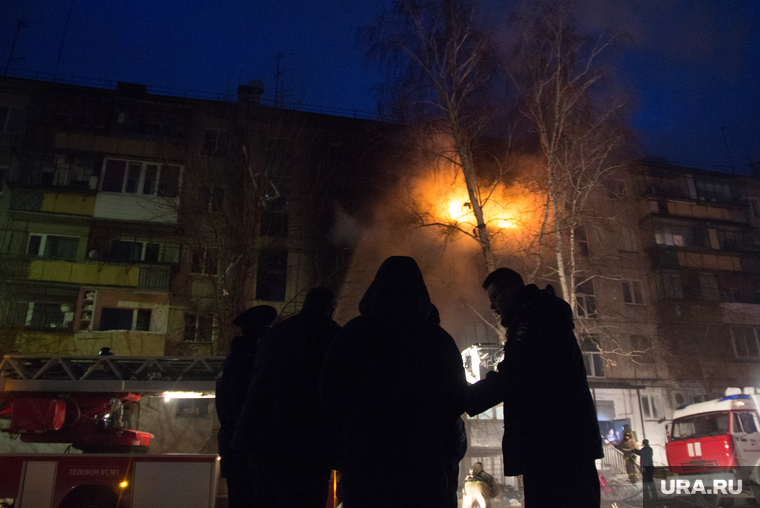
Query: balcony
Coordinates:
[126,342]
[67,201]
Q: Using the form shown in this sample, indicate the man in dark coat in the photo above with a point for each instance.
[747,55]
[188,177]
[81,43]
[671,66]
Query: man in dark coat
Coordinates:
[542,383]
[282,428]
[392,386]
[231,388]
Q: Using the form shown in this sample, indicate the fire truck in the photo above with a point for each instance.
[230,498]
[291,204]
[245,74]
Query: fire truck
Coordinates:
[717,440]
[81,401]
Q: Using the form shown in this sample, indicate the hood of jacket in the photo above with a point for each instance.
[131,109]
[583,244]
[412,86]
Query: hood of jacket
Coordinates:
[398,288]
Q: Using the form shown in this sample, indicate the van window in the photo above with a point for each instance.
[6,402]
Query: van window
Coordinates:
[744,421]
[708,424]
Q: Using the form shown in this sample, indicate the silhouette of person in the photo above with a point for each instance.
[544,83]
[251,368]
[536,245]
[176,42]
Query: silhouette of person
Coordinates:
[291,452]
[231,388]
[647,470]
[541,357]
[455,440]
[479,486]
[392,384]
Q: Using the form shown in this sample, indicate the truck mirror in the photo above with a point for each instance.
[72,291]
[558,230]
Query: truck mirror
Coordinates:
[667,433]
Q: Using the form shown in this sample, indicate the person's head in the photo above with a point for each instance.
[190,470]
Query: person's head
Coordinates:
[611,432]
[399,288]
[256,320]
[105,351]
[645,442]
[476,468]
[627,435]
[322,301]
[502,286]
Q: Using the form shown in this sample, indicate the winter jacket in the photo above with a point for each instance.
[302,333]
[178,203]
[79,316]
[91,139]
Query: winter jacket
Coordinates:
[393,385]
[542,382]
[282,414]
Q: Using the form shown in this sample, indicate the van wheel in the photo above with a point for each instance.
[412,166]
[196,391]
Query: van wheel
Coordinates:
[94,496]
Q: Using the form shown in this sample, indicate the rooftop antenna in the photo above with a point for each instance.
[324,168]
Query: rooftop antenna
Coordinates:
[728,150]
[281,94]
[21,23]
[60,49]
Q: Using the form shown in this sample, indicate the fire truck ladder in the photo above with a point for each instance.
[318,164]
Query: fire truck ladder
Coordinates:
[146,375]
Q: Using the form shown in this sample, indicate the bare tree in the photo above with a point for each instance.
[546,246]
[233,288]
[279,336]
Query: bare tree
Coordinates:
[438,61]
[580,125]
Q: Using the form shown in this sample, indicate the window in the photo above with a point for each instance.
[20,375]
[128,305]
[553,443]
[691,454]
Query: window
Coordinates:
[592,356]
[754,205]
[271,276]
[205,261]
[625,240]
[632,292]
[744,421]
[53,247]
[46,315]
[582,242]
[130,252]
[669,285]
[216,142]
[125,319]
[585,299]
[745,339]
[708,285]
[11,119]
[143,178]
[651,406]
[615,188]
[198,327]
[192,408]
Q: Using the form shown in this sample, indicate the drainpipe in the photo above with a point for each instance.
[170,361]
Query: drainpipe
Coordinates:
[641,413]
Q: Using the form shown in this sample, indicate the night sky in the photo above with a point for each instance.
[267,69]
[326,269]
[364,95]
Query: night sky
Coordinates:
[694,65]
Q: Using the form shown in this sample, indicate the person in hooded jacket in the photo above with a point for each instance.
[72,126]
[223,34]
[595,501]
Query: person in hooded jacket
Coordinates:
[542,383]
[392,386]
[291,452]
[231,388]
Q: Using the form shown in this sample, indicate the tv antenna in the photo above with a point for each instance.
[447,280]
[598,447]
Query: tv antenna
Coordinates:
[281,94]
[20,24]
[63,39]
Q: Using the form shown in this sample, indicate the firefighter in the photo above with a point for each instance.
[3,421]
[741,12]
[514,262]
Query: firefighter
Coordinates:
[628,447]
[479,486]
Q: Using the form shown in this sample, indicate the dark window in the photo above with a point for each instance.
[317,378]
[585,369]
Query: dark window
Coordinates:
[152,251]
[142,322]
[116,319]
[585,299]
[188,408]
[133,177]
[47,315]
[34,245]
[582,242]
[113,177]
[271,276]
[168,186]
[149,183]
[592,356]
[198,327]
[126,252]
[632,292]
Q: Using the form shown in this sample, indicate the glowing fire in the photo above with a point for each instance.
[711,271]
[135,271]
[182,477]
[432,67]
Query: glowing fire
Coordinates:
[461,211]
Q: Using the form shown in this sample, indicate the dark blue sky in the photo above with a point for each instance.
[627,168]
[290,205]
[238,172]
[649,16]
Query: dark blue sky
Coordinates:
[693,64]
